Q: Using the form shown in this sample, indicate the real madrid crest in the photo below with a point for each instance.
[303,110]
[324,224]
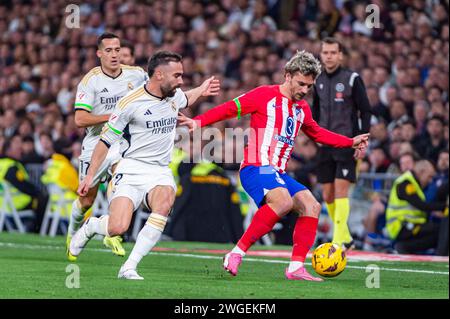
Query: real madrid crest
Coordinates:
[130,86]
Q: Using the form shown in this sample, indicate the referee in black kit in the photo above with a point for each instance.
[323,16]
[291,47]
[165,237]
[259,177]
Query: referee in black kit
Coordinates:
[340,105]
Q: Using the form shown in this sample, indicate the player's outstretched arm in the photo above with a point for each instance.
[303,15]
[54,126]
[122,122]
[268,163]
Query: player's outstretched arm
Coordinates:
[86,119]
[209,87]
[183,120]
[98,157]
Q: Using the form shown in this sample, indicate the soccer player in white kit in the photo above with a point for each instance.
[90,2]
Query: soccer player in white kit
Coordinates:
[96,98]
[149,115]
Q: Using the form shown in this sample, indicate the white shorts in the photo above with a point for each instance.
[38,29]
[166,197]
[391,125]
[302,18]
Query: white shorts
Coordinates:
[112,157]
[136,186]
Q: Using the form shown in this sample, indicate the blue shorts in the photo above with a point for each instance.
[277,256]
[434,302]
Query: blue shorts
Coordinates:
[258,180]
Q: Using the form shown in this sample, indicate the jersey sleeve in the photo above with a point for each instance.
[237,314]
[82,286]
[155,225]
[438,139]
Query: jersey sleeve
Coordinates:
[362,104]
[181,99]
[145,77]
[118,120]
[320,135]
[246,103]
[85,97]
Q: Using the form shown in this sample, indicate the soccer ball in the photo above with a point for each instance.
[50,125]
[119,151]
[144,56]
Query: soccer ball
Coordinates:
[329,260]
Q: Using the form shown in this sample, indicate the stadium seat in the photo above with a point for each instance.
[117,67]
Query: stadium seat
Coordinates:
[58,209]
[9,215]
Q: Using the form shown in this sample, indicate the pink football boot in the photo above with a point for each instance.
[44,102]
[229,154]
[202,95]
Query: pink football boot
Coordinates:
[301,274]
[231,263]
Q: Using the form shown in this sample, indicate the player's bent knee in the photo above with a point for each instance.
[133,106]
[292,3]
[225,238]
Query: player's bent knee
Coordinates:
[117,229]
[289,204]
[283,204]
[162,209]
[315,209]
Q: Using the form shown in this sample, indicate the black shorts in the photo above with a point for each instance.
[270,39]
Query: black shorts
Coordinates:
[336,163]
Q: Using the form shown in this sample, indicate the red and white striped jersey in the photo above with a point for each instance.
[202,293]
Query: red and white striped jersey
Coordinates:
[275,123]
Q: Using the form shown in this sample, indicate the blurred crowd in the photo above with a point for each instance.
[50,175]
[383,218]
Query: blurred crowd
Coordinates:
[403,59]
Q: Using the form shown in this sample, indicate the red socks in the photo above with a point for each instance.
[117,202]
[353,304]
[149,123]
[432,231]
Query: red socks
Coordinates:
[262,223]
[303,237]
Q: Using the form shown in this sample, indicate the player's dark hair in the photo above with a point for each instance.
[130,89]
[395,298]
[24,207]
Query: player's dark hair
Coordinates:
[331,40]
[127,44]
[106,35]
[161,58]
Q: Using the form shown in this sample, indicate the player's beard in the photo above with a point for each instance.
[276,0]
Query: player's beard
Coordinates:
[297,96]
[300,96]
[168,91]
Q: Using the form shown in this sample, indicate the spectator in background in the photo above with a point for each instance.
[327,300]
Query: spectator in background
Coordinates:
[408,133]
[44,147]
[377,107]
[60,173]
[127,52]
[359,25]
[375,221]
[24,194]
[434,142]
[329,18]
[397,112]
[420,113]
[379,136]
[440,178]
[29,155]
[42,60]
[408,212]
[379,161]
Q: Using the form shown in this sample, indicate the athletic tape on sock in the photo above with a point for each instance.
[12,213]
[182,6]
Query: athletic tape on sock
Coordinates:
[157,221]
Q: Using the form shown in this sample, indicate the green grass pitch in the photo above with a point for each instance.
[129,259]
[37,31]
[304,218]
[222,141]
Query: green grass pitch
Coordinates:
[32,266]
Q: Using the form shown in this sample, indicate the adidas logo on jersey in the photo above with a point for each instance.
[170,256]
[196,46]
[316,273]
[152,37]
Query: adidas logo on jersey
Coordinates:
[104,90]
[148,112]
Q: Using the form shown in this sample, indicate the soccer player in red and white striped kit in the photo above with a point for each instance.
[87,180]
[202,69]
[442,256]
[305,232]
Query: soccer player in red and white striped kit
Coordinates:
[278,112]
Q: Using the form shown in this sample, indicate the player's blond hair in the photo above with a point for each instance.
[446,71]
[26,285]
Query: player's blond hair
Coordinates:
[305,63]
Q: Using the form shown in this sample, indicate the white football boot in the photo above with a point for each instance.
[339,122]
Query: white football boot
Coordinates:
[80,239]
[130,274]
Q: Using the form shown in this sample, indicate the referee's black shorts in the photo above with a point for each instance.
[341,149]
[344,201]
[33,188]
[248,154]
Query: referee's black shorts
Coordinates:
[335,163]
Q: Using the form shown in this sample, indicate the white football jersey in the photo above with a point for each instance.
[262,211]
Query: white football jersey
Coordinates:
[148,123]
[98,94]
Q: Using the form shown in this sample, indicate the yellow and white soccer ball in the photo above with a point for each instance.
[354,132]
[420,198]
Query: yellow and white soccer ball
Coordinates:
[329,260]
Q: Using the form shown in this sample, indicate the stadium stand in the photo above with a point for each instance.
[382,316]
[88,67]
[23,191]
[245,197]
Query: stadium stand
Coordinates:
[404,62]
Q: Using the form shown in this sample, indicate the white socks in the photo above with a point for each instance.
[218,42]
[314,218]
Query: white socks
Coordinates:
[237,250]
[146,239]
[294,265]
[76,217]
[98,226]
